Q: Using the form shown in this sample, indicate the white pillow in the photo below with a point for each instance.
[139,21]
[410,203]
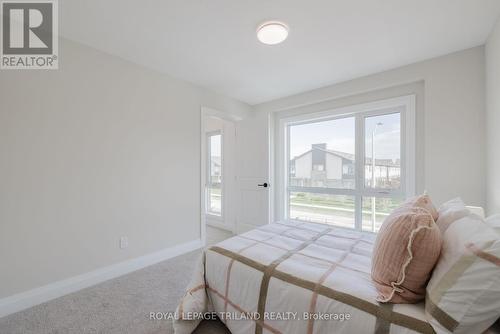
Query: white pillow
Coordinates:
[494,221]
[476,210]
[450,212]
[463,294]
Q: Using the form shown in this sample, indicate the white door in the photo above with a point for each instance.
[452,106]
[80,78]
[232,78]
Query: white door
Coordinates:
[252,140]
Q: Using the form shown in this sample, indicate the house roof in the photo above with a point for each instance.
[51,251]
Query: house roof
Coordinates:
[347,156]
[350,157]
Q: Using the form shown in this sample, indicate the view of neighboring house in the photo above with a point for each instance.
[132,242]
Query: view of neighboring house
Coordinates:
[322,167]
[215,169]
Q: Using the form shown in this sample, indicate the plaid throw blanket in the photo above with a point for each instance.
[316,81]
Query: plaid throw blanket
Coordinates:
[291,277]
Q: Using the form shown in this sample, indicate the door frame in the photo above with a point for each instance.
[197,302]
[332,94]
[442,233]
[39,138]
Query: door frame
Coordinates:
[206,112]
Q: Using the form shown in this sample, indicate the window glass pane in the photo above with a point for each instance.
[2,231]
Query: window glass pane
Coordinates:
[214,194]
[322,154]
[337,210]
[214,200]
[375,210]
[383,141]
[215,159]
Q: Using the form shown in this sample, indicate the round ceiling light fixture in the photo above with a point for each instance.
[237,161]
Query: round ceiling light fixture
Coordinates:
[272,32]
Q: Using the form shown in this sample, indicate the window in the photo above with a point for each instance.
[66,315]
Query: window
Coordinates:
[348,167]
[214,174]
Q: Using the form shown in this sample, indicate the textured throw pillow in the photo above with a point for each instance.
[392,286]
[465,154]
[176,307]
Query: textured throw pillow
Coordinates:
[405,252]
[463,295]
[451,211]
[424,202]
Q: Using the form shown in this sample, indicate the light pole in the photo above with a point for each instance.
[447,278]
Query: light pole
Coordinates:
[373,173]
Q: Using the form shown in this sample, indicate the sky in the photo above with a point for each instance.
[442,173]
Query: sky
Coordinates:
[339,135]
[215,145]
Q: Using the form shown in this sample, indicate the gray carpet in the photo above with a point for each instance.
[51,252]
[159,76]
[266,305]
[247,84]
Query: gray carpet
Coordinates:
[120,306]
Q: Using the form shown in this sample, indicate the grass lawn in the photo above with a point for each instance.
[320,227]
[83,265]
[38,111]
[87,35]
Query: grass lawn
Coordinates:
[341,204]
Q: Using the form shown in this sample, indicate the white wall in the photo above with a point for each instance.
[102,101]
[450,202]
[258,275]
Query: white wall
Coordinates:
[99,149]
[493,120]
[450,118]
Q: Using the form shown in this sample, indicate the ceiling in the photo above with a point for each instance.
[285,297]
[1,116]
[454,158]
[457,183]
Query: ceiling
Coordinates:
[212,43]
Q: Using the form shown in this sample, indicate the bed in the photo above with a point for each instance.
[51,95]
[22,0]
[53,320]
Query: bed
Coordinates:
[294,277]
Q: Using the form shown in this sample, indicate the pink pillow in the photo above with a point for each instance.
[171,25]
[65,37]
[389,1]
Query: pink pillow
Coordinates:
[424,202]
[405,252]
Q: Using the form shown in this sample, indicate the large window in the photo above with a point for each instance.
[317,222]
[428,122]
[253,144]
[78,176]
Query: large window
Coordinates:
[214,174]
[348,167]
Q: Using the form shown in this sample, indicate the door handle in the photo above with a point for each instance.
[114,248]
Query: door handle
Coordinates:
[265,185]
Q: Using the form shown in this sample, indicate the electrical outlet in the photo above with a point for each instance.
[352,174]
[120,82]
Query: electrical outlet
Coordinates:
[123,242]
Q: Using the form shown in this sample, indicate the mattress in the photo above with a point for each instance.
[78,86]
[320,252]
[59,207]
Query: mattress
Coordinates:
[294,277]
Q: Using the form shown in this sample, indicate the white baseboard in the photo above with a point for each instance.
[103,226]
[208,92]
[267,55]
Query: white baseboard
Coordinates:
[24,300]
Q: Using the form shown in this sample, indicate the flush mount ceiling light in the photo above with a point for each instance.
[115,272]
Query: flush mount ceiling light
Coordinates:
[272,32]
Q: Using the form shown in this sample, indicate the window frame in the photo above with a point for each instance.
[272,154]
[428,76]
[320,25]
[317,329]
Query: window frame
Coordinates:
[208,174]
[405,105]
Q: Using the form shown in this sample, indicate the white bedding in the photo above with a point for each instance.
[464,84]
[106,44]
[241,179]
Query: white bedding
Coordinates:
[291,277]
